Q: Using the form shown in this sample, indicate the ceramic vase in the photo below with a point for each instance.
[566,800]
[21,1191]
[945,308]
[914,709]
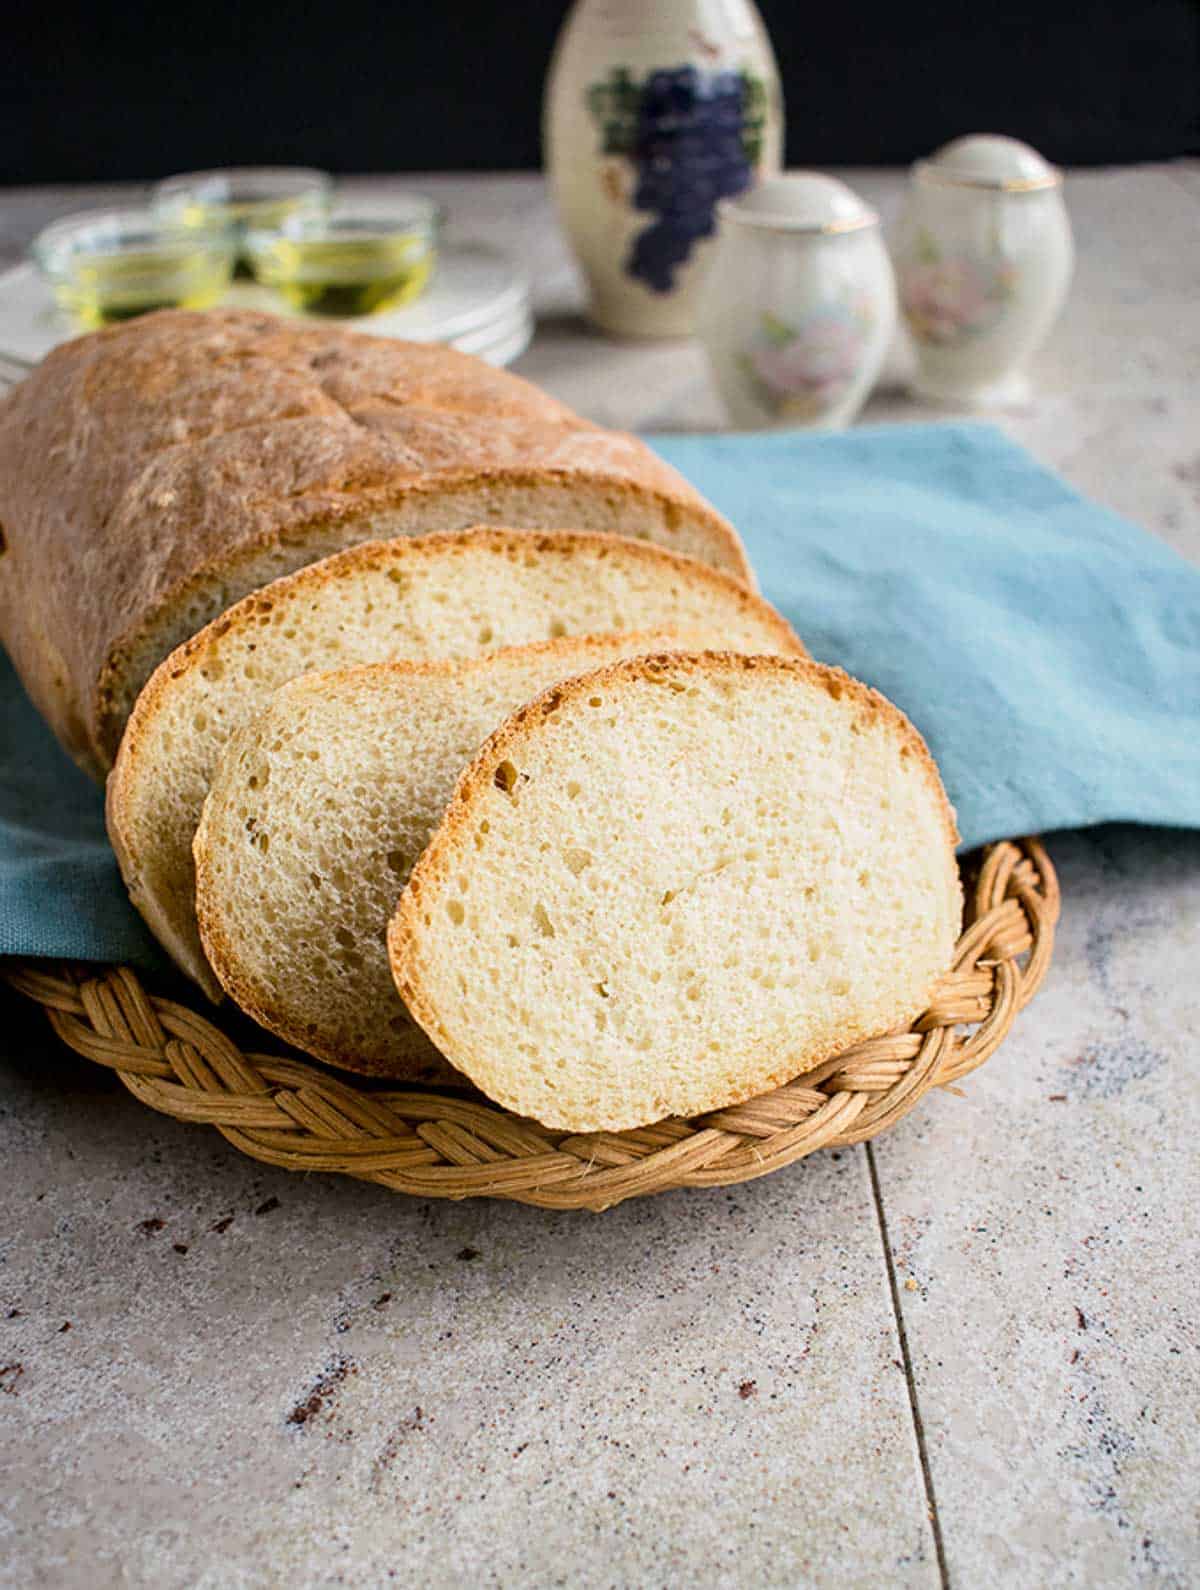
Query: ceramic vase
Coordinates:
[983,257]
[800,305]
[654,111]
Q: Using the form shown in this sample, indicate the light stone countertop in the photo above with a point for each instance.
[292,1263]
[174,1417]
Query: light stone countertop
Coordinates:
[967,1354]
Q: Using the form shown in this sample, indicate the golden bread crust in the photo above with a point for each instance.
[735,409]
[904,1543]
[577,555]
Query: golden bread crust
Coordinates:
[143,468]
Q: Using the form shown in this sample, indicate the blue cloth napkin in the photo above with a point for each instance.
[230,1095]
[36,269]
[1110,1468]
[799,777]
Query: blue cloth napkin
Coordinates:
[1048,651]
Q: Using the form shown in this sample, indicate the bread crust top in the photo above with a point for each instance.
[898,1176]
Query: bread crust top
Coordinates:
[138,460]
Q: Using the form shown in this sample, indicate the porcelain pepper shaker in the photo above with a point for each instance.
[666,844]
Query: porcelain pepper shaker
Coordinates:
[800,305]
[653,112]
[983,258]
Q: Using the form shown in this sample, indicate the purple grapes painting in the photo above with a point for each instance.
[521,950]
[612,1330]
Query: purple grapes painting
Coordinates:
[693,137]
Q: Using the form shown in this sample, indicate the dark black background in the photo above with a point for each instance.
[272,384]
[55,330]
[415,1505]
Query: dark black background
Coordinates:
[89,92]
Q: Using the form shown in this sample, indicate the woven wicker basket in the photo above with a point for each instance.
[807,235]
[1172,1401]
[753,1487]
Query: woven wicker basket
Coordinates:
[296,1114]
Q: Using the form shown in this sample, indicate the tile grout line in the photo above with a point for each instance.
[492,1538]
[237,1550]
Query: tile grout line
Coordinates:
[931,1507]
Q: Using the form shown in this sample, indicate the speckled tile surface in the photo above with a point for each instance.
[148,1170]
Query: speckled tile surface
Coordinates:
[1044,1231]
[275,1381]
[335,1385]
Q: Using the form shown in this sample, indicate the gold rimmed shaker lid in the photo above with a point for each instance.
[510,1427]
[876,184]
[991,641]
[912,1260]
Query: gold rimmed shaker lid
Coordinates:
[802,201]
[991,163]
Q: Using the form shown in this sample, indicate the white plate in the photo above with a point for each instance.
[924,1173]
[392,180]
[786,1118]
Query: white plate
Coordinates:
[509,348]
[496,348]
[476,293]
[487,336]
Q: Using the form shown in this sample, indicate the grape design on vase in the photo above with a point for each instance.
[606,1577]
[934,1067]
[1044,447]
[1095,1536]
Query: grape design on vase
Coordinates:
[800,371]
[949,297]
[691,137]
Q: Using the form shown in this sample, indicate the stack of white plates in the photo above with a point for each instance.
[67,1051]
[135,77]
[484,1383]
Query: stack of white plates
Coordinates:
[477,301]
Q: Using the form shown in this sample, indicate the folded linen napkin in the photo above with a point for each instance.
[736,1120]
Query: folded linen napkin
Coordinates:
[1048,651]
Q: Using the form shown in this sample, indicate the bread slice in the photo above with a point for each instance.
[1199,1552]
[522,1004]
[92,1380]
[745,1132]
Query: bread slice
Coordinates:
[152,474]
[318,810]
[456,594]
[676,883]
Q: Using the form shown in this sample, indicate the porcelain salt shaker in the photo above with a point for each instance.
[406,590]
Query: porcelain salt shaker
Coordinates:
[983,257]
[653,112]
[800,305]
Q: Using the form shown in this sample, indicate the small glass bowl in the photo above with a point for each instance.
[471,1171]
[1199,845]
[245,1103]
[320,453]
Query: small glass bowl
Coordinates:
[107,266]
[358,259]
[242,199]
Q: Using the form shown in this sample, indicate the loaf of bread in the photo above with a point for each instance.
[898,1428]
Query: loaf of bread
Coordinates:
[454,594]
[319,808]
[154,473]
[676,883]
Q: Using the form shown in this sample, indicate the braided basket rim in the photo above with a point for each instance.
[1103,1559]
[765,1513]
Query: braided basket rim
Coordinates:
[298,1114]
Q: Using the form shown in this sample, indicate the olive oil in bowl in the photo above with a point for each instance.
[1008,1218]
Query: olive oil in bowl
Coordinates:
[110,266]
[351,263]
[241,200]
[335,276]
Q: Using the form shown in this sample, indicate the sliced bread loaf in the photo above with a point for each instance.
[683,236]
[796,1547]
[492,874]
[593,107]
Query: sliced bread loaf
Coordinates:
[676,883]
[153,473]
[450,595]
[317,812]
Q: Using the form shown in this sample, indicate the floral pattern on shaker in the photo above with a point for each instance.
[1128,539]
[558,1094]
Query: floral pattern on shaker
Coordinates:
[947,298]
[800,371]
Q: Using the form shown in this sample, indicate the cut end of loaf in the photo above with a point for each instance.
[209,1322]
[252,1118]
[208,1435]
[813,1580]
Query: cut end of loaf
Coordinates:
[517,497]
[441,595]
[680,883]
[318,810]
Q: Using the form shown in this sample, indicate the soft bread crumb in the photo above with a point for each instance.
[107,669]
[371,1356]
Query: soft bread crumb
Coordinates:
[452,595]
[771,879]
[318,810]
